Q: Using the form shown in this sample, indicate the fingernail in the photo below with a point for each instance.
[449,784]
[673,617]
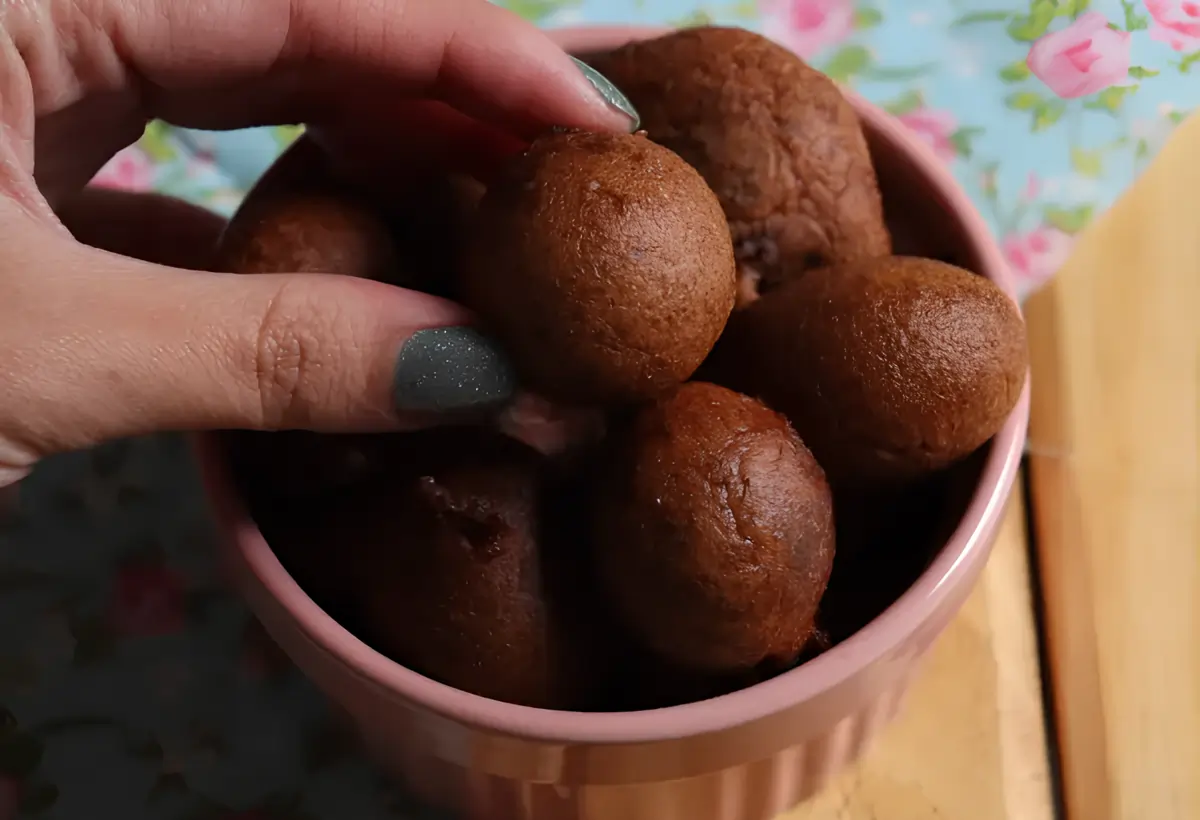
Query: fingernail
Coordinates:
[610,93]
[444,369]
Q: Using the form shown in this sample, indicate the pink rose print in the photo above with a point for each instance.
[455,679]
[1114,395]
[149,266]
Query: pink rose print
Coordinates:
[935,128]
[1085,57]
[1035,257]
[129,170]
[148,600]
[10,797]
[1175,22]
[808,27]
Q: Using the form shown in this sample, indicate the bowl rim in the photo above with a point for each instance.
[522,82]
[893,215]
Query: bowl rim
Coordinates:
[885,634]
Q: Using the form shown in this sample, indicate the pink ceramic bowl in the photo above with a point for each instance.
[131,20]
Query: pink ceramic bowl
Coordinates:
[748,755]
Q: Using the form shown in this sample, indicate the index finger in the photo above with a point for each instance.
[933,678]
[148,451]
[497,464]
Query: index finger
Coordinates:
[230,63]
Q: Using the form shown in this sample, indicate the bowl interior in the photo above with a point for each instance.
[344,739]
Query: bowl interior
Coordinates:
[943,533]
[922,219]
[887,539]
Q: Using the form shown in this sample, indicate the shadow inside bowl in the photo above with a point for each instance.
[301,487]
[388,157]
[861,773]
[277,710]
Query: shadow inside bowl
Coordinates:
[886,539]
[922,222]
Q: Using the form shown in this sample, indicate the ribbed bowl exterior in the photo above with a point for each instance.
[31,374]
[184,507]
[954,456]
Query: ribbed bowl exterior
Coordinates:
[487,776]
[759,790]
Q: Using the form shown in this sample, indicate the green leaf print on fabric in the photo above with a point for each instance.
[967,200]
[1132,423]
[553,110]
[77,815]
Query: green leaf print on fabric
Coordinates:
[1088,163]
[1110,99]
[1139,73]
[847,62]
[705,14]
[742,9]
[157,142]
[961,140]
[537,11]
[867,17]
[1133,20]
[1015,72]
[1047,113]
[973,17]
[1068,220]
[1032,26]
[1188,60]
[898,73]
[285,135]
[699,17]
[1023,100]
[906,103]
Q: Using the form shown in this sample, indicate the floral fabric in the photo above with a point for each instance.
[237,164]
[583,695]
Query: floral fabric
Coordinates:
[133,685]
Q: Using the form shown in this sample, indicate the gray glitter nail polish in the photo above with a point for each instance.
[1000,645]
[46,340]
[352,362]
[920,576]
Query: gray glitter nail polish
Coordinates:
[611,94]
[451,368]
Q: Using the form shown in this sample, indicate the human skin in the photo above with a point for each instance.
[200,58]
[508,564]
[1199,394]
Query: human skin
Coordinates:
[109,323]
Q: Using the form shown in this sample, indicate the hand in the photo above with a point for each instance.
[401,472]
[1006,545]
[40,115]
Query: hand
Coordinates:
[112,337]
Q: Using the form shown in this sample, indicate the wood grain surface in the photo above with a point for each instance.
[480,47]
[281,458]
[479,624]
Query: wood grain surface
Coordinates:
[970,742]
[1113,441]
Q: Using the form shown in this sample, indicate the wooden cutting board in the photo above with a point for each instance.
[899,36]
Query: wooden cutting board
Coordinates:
[970,743]
[1113,441]
[1115,346]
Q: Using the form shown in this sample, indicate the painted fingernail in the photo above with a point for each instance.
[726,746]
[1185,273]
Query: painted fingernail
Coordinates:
[444,369]
[610,93]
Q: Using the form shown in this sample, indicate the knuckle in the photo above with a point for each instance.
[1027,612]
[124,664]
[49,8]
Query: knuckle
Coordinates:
[290,358]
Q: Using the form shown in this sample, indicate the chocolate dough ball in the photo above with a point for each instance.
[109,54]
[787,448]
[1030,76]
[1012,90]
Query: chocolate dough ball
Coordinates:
[603,265]
[301,487]
[298,218]
[463,582]
[774,138]
[889,369]
[310,233]
[302,217]
[714,532]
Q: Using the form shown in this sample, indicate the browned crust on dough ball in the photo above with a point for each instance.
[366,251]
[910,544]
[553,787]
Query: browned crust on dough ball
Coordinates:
[309,233]
[715,533]
[299,219]
[774,138]
[603,265]
[889,368]
[458,578]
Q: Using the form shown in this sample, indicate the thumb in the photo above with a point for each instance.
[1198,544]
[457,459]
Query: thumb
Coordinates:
[94,345]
